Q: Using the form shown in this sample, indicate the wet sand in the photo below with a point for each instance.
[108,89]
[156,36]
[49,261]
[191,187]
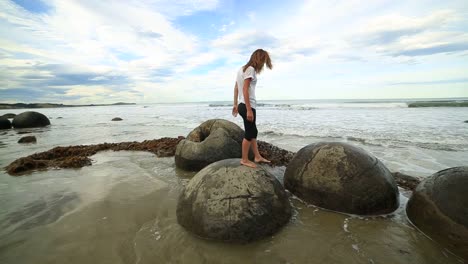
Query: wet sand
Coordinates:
[122,210]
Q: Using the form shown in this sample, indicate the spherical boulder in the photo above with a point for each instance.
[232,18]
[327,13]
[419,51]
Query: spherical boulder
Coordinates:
[439,208]
[5,123]
[342,177]
[30,119]
[230,202]
[213,140]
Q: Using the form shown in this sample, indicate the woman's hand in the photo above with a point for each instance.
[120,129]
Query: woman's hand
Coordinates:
[235,111]
[250,116]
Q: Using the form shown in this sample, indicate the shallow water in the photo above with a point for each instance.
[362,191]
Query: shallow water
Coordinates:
[122,208]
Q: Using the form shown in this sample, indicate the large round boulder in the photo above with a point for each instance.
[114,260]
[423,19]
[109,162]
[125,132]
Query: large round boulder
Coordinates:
[213,140]
[30,119]
[341,177]
[439,208]
[230,202]
[5,123]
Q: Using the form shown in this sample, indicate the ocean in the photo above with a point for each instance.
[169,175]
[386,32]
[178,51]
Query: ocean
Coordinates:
[122,208]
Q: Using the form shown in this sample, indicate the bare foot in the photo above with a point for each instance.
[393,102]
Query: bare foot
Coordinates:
[262,160]
[248,164]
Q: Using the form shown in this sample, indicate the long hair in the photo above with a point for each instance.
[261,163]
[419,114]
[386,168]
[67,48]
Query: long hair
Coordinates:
[257,60]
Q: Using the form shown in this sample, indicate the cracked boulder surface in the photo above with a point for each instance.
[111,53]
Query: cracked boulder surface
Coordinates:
[439,208]
[341,177]
[213,140]
[229,202]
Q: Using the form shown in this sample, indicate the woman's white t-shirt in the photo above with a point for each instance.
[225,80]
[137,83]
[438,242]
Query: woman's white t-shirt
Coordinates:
[241,76]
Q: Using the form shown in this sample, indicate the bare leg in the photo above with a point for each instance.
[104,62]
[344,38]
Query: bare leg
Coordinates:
[258,157]
[245,154]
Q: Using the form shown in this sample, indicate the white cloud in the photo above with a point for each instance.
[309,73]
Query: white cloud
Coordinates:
[398,35]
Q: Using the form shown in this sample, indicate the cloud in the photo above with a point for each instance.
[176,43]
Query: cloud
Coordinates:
[390,28]
[94,51]
[397,35]
[177,8]
[347,58]
[19,94]
[449,81]
[241,42]
[89,43]
[150,34]
[436,48]
[40,75]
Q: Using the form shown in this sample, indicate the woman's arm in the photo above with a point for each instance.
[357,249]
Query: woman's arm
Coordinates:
[245,90]
[236,94]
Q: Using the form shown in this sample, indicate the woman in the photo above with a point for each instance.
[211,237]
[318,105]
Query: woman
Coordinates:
[247,80]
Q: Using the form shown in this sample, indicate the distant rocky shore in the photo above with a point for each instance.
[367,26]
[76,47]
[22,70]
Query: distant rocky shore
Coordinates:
[457,103]
[50,105]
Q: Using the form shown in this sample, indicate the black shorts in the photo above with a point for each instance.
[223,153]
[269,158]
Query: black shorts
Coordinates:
[250,127]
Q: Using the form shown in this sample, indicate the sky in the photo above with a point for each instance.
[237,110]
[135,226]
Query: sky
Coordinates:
[158,51]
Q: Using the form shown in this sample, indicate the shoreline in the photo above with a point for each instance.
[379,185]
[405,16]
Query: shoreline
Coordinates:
[410,102]
[51,105]
[78,157]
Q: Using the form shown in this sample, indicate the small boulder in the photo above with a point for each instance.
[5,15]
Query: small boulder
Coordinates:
[439,208]
[9,115]
[5,123]
[230,202]
[27,139]
[342,177]
[117,119]
[213,140]
[466,121]
[30,119]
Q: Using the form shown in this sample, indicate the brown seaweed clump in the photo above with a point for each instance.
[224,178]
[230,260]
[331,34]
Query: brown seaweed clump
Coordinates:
[406,181]
[277,156]
[78,156]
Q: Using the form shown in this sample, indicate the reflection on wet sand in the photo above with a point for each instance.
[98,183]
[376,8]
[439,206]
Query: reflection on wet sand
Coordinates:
[41,212]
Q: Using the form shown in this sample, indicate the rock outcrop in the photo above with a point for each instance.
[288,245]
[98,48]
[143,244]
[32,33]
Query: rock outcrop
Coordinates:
[27,139]
[230,202]
[342,177]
